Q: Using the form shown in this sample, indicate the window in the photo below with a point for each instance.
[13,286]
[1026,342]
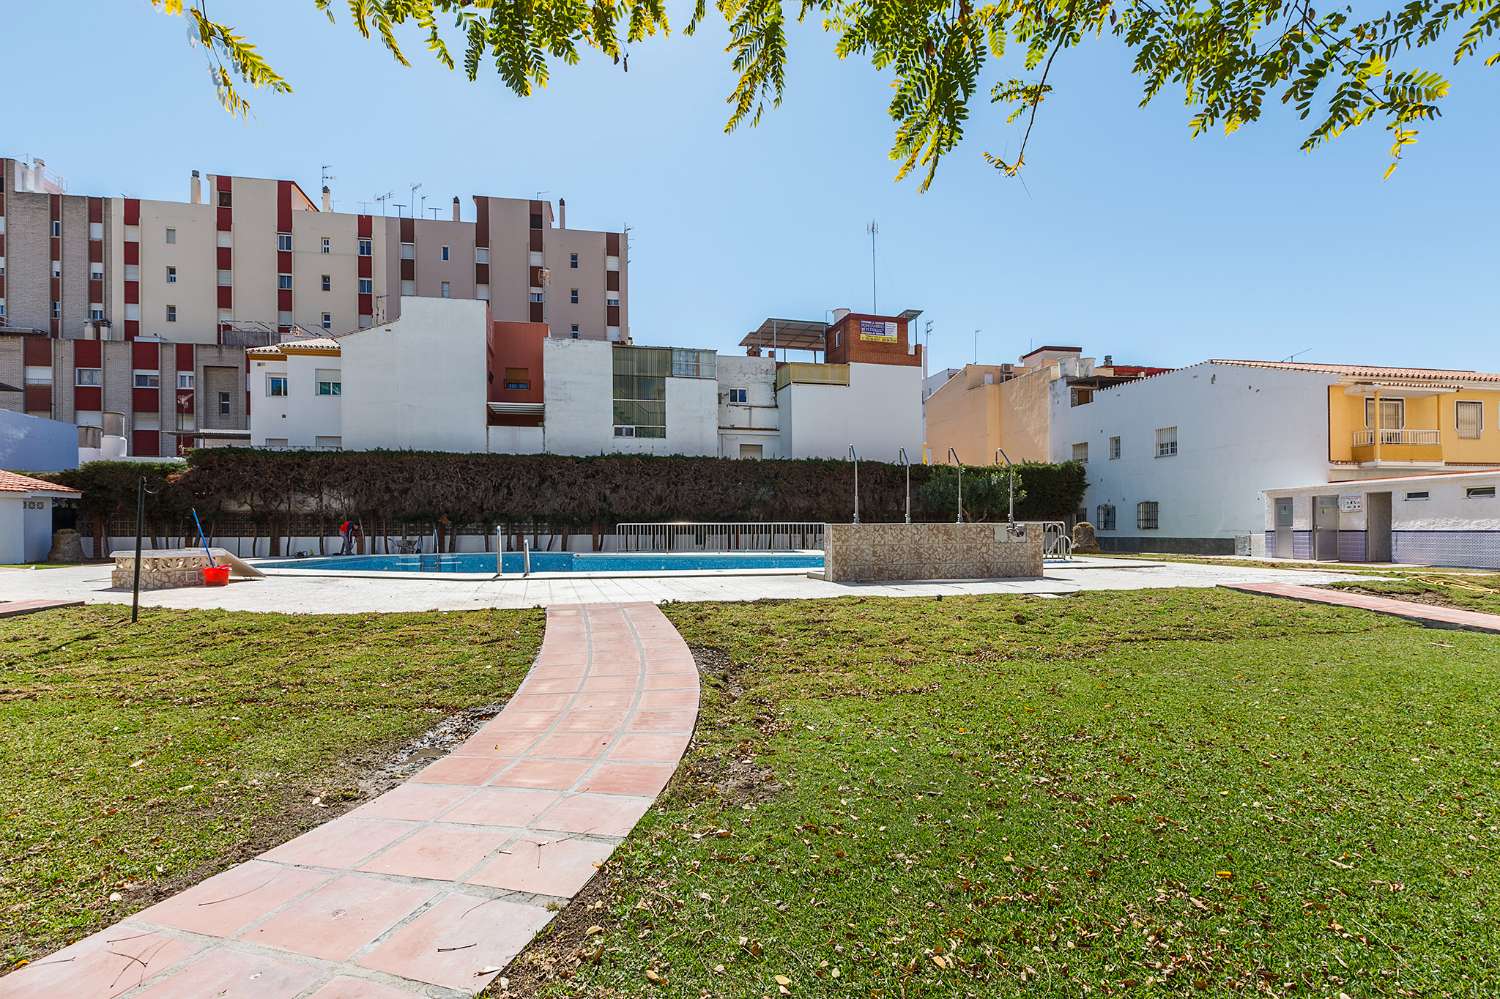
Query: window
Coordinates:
[171,275]
[446,290]
[408,287]
[96,271]
[225,201]
[739,395]
[328,443]
[171,313]
[1392,413]
[537,296]
[132,310]
[284,242]
[223,403]
[573,261]
[1146,515]
[1480,492]
[56,309]
[284,282]
[327,245]
[366,286]
[57,268]
[171,236]
[481,254]
[327,322]
[518,379]
[327,282]
[330,382]
[640,390]
[573,332]
[573,296]
[1166,442]
[445,251]
[96,230]
[132,272]
[226,278]
[276,385]
[96,312]
[365,249]
[88,377]
[611,298]
[1104,517]
[1081,452]
[688,363]
[482,292]
[57,227]
[145,379]
[408,251]
[1114,448]
[224,239]
[185,380]
[1410,497]
[1470,417]
[2,310]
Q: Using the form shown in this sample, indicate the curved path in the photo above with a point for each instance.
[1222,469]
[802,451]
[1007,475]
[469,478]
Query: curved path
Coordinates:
[432,888]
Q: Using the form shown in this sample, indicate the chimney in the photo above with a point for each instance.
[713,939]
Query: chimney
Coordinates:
[195,189]
[839,314]
[455,208]
[562,213]
[327,199]
[1109,360]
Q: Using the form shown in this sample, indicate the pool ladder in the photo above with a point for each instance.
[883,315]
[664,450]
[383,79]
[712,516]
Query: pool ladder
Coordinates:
[500,553]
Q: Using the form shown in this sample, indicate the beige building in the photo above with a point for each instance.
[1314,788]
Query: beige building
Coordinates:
[244,262]
[986,407]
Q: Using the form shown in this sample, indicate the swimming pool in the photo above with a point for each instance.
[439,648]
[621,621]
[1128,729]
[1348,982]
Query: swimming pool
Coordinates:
[483,563]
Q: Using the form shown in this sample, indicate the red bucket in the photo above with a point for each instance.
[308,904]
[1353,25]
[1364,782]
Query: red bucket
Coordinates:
[216,575]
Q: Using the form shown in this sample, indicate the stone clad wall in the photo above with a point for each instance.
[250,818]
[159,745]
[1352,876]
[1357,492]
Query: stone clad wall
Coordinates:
[857,553]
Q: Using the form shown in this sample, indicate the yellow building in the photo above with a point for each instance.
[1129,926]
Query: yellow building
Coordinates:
[1413,418]
[987,407]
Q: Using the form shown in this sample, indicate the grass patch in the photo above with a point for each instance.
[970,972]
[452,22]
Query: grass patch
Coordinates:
[139,760]
[1479,592]
[1163,792]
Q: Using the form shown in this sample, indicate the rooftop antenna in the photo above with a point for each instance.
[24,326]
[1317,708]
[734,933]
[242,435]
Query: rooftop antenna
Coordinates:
[423,211]
[413,202]
[398,205]
[383,198]
[873,230]
[1293,357]
[326,175]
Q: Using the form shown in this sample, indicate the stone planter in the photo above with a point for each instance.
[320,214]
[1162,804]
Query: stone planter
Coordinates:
[868,553]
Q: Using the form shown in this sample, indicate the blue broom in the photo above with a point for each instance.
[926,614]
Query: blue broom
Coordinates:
[201,539]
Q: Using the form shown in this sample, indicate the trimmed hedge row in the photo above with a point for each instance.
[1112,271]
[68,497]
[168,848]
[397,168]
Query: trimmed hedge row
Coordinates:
[561,492]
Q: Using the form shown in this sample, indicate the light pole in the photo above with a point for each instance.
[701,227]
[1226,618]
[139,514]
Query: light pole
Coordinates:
[873,230]
[976,346]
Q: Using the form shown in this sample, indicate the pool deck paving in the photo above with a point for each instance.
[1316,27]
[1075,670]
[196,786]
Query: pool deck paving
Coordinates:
[343,595]
[433,887]
[1430,615]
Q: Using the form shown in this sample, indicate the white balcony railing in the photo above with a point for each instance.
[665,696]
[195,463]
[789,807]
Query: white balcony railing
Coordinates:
[1366,438]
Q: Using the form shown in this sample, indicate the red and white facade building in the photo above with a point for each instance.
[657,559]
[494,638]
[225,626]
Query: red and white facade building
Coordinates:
[131,317]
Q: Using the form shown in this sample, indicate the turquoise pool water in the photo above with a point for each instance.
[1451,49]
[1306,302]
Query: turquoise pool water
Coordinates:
[480,562]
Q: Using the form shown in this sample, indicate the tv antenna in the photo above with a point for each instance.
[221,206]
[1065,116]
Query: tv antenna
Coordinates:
[1293,357]
[873,230]
[413,203]
[383,198]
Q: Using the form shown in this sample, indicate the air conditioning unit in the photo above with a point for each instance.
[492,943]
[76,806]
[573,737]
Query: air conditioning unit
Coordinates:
[624,431]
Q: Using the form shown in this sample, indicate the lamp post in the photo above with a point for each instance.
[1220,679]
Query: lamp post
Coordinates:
[953,455]
[854,457]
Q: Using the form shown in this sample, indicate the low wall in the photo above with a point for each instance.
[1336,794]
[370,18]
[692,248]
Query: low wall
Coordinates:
[858,553]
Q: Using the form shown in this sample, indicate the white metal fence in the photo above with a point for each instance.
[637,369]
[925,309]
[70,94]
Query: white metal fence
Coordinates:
[1057,542]
[725,537]
[1391,435]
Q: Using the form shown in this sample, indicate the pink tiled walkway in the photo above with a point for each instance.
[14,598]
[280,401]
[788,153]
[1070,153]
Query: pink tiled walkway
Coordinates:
[1428,614]
[433,887]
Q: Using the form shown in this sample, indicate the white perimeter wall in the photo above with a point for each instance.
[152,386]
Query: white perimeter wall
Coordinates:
[1448,506]
[1240,431]
[516,440]
[418,383]
[879,411]
[579,395]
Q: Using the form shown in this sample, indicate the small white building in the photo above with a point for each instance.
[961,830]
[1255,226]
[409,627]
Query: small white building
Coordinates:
[296,394]
[1450,518]
[26,517]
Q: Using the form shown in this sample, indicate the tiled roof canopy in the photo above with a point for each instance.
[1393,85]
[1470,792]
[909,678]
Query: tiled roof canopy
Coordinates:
[10,482]
[1368,371]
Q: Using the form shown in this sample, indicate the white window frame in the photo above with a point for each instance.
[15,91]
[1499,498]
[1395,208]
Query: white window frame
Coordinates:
[171,311]
[481,254]
[1166,447]
[1141,515]
[739,396]
[271,385]
[366,246]
[366,286]
[326,282]
[573,261]
[284,242]
[185,381]
[327,321]
[444,255]
[96,379]
[1081,452]
[283,282]
[1398,403]
[1475,407]
[573,296]
[171,274]
[170,236]
[327,245]
[445,290]
[143,379]
[1114,448]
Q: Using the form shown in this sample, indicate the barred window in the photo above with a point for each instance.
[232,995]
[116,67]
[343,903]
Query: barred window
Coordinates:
[1146,515]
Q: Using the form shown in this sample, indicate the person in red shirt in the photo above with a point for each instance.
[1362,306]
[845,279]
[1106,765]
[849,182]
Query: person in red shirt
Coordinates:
[346,531]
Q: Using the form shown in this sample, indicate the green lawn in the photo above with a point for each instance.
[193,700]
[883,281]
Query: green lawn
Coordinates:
[138,760]
[1478,592]
[1168,792]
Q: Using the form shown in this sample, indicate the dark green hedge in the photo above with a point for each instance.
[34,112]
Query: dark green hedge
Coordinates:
[567,493]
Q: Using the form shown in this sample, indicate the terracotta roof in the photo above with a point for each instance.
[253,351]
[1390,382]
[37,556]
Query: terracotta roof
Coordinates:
[10,482]
[318,343]
[1369,371]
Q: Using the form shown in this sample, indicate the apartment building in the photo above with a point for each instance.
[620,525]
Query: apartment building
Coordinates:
[131,317]
[1181,461]
[447,376]
[981,409]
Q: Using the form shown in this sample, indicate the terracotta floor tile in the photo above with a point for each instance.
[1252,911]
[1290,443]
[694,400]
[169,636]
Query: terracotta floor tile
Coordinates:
[556,685]
[349,987]
[227,974]
[609,683]
[528,701]
[669,720]
[472,770]
[344,842]
[491,742]
[552,775]
[413,802]
[103,965]
[502,806]
[523,721]
[600,814]
[451,943]
[225,903]
[544,865]
[605,700]
[671,681]
[650,746]
[606,720]
[339,918]
[440,853]
[616,664]
[584,745]
[660,699]
[629,778]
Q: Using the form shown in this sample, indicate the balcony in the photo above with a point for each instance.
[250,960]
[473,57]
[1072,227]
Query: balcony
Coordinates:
[801,373]
[1404,445]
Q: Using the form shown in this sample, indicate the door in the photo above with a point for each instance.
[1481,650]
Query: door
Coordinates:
[1283,540]
[1326,528]
[1378,527]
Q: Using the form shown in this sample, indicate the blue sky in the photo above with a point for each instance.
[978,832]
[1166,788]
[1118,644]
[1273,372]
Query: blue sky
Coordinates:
[1127,237]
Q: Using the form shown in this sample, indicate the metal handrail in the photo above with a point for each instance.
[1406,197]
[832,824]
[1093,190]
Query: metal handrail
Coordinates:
[954,455]
[525,556]
[1011,469]
[906,463]
[720,536]
[854,457]
[1395,435]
